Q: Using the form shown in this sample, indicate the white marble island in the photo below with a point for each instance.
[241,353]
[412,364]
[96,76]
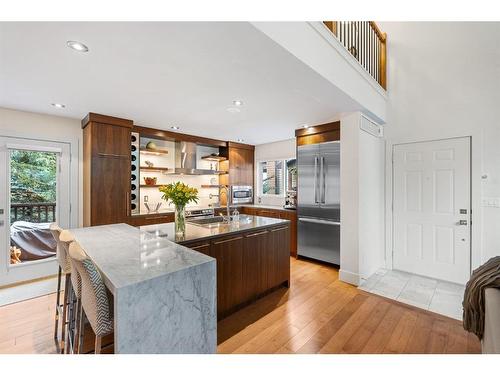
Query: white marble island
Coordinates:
[164,293]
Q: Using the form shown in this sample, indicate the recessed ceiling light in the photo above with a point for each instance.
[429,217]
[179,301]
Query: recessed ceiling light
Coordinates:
[233,110]
[305,126]
[174,127]
[77,46]
[237,103]
[58,105]
[240,140]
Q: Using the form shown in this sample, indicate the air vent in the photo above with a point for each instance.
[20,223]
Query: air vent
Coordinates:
[371,127]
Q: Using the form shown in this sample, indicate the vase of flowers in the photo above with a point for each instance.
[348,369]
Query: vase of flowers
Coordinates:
[179,194]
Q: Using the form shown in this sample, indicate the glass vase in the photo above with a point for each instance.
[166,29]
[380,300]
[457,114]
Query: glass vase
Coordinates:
[180,220]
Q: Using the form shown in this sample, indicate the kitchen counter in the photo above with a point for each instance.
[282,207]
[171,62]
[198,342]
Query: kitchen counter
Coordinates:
[196,232]
[164,293]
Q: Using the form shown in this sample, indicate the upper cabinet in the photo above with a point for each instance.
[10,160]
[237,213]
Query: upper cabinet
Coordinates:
[240,164]
[106,169]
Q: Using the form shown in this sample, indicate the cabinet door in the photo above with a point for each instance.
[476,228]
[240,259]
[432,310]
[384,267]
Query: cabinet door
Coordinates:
[229,255]
[279,256]
[241,166]
[268,213]
[202,247]
[110,184]
[110,140]
[254,259]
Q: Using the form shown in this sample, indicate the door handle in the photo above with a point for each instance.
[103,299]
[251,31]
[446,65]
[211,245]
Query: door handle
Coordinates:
[316,179]
[462,222]
[318,221]
[323,173]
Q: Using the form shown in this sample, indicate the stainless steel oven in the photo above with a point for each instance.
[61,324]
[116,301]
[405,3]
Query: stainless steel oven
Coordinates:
[241,194]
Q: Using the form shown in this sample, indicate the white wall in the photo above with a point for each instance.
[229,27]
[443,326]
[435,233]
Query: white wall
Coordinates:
[51,128]
[272,151]
[443,82]
[362,201]
[317,47]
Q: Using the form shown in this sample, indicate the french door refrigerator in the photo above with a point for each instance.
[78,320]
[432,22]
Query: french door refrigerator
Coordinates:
[318,206]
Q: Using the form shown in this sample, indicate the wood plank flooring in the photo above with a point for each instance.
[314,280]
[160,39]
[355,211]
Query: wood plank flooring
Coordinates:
[317,314]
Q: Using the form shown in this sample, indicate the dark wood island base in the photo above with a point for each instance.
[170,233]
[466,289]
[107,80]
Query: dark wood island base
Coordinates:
[250,264]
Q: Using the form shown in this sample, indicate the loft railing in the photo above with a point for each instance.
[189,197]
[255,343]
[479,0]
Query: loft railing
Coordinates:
[33,212]
[365,41]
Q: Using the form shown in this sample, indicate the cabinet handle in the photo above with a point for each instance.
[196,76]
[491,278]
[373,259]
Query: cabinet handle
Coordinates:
[278,229]
[200,246]
[112,155]
[228,240]
[127,201]
[256,234]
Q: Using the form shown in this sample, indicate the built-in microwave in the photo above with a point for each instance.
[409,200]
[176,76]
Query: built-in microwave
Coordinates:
[241,194]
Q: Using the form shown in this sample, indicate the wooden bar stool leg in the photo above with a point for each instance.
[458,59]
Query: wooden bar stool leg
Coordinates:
[67,286]
[58,302]
[97,345]
[76,340]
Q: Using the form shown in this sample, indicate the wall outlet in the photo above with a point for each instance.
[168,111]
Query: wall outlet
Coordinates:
[491,202]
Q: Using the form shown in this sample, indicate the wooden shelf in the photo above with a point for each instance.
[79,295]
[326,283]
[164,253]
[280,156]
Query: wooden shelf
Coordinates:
[153,152]
[151,186]
[214,158]
[154,169]
[210,186]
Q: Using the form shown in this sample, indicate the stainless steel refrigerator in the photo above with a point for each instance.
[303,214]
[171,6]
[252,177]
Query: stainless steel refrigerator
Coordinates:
[318,206]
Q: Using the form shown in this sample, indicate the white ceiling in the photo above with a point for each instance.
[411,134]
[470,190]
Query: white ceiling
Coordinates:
[163,74]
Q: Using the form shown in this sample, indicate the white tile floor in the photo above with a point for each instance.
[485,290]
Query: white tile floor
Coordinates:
[27,291]
[434,295]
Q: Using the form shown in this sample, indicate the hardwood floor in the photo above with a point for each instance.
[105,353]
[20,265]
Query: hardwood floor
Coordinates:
[318,314]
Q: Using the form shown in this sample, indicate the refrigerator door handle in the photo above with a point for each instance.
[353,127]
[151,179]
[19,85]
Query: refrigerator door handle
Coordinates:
[316,180]
[318,221]
[323,173]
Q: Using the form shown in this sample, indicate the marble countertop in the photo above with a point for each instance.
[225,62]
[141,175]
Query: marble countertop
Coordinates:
[196,232]
[126,255]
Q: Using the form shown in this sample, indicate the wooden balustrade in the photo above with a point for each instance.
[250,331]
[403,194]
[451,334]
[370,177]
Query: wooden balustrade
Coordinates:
[365,41]
[33,212]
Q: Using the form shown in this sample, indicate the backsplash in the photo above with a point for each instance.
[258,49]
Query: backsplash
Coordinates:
[153,195]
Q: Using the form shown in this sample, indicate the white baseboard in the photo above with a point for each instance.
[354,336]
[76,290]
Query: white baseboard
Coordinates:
[349,277]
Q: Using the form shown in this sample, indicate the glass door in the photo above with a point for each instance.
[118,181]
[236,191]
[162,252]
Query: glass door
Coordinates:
[34,193]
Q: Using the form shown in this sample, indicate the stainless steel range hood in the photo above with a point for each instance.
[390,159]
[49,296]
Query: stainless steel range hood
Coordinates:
[185,160]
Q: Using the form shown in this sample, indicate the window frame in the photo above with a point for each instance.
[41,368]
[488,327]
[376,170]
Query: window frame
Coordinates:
[260,187]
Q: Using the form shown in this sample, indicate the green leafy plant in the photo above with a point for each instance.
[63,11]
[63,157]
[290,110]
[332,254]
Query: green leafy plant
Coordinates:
[179,193]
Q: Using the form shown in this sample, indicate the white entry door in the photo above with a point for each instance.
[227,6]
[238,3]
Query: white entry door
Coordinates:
[431,212]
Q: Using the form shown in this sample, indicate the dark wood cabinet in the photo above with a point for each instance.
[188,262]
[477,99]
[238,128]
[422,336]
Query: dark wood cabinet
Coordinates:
[248,265]
[150,219]
[106,169]
[239,165]
[229,255]
[277,214]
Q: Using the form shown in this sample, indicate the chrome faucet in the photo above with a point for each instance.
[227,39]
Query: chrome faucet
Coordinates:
[226,191]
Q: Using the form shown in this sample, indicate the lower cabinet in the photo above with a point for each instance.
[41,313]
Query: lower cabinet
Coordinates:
[248,265]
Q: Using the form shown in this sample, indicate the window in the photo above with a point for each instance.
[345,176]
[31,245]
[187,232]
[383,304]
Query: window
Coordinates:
[271,177]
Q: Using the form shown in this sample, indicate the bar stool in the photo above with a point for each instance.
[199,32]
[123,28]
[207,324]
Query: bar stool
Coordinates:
[76,283]
[95,301]
[64,268]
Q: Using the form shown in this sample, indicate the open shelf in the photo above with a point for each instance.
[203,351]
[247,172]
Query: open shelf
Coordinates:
[151,186]
[210,186]
[214,158]
[154,169]
[148,151]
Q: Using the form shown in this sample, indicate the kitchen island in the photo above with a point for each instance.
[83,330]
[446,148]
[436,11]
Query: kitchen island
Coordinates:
[164,294]
[164,286]
[252,254]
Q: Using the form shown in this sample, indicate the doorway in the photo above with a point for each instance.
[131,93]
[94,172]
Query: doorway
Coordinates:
[34,192]
[432,209]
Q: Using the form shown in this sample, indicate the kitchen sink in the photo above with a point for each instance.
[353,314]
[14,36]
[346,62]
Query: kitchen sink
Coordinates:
[217,221]
[206,220]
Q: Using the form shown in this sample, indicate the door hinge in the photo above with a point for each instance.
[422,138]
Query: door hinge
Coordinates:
[70,208]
